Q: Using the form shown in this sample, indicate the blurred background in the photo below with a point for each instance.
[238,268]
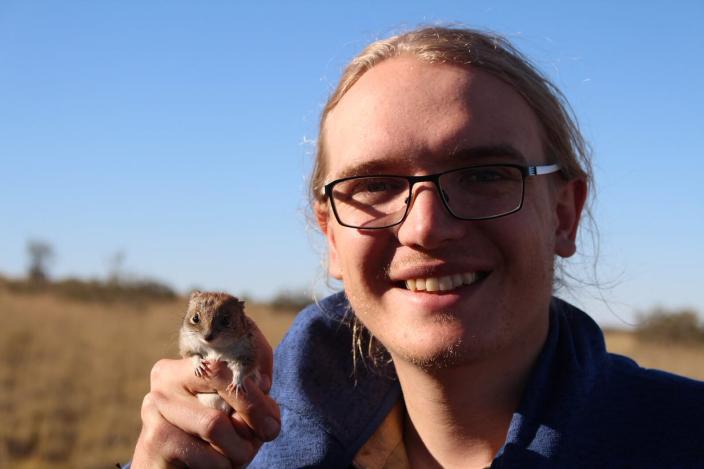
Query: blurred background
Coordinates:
[151,147]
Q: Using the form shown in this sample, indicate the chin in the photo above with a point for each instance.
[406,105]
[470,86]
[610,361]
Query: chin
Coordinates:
[446,348]
[450,357]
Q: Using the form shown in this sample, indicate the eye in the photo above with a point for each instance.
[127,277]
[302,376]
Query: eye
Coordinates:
[487,175]
[376,186]
[226,321]
[371,189]
[391,185]
[195,319]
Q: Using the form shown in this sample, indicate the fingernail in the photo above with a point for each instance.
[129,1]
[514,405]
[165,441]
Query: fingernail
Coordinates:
[271,428]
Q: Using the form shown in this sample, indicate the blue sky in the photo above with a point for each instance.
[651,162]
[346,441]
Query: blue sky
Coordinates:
[180,133]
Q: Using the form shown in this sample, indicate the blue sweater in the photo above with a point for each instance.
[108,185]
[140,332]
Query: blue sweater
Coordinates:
[582,407]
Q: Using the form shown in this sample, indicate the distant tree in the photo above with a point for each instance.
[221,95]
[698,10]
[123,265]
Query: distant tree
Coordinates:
[40,254]
[116,267]
[290,301]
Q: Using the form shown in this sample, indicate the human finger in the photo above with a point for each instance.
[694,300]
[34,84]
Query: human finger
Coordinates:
[253,407]
[209,425]
[163,445]
[177,376]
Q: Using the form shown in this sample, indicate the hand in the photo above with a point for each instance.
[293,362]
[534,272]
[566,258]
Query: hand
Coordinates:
[179,431]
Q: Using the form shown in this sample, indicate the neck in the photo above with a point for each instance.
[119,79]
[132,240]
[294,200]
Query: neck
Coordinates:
[459,416]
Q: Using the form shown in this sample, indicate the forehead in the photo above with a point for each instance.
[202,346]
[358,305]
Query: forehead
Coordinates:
[407,115]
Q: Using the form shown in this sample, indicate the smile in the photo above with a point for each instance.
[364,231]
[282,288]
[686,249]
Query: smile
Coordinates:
[444,283]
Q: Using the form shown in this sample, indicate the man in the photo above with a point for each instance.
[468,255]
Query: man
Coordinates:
[449,177]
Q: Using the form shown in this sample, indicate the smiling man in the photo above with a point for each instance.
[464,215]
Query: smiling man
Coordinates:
[455,302]
[449,178]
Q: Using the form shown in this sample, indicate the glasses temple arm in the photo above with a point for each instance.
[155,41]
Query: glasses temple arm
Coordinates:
[543,169]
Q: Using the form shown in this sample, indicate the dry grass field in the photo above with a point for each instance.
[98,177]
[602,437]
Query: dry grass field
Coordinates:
[73,374]
[686,360]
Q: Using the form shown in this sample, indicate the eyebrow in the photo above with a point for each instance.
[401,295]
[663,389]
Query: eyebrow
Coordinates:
[495,153]
[486,154]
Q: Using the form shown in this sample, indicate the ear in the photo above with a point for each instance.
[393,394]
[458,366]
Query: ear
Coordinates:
[570,199]
[322,215]
[194,294]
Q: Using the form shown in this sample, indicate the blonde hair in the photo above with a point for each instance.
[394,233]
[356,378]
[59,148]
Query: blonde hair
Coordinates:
[562,140]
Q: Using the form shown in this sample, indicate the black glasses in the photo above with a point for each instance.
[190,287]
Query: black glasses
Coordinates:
[471,193]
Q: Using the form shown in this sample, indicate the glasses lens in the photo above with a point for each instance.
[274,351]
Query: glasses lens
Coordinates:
[483,192]
[370,202]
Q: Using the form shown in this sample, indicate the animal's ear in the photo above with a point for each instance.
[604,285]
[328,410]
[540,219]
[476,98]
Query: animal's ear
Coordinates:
[195,294]
[241,303]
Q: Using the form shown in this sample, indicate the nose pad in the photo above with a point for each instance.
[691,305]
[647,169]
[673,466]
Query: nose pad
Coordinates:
[429,224]
[433,190]
[445,199]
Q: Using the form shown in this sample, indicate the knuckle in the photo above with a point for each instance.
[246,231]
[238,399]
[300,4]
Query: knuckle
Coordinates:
[157,372]
[213,424]
[152,400]
[248,406]
[154,436]
[149,407]
[148,401]
[154,427]
[242,454]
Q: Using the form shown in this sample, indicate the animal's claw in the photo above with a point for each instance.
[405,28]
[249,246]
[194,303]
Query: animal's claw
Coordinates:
[236,388]
[202,370]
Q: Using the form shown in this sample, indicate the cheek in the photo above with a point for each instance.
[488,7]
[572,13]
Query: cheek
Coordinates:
[365,258]
[525,239]
[529,246]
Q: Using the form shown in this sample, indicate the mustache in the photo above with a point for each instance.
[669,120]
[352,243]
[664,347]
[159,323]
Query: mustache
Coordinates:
[415,258]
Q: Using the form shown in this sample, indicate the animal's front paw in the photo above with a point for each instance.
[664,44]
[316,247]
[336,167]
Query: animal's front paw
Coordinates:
[202,369]
[237,388]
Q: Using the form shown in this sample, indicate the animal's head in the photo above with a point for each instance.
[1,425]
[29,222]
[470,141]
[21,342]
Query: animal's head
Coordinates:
[214,315]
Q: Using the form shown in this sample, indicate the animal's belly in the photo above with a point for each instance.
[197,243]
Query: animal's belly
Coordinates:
[213,400]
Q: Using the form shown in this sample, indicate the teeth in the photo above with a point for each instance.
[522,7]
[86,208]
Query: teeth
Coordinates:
[445,283]
[432,284]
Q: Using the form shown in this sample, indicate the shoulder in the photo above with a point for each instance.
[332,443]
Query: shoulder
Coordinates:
[316,351]
[671,396]
[328,408]
[649,416]
[611,411]
[646,415]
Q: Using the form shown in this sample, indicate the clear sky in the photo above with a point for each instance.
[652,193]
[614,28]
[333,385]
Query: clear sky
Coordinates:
[180,133]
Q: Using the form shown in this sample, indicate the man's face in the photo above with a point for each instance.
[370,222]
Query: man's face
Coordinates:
[406,117]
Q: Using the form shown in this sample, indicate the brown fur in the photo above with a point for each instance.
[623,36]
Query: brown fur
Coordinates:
[215,328]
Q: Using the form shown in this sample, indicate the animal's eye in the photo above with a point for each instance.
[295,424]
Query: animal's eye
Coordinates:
[225,322]
[195,319]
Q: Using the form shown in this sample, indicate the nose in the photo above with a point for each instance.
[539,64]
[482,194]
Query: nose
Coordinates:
[428,224]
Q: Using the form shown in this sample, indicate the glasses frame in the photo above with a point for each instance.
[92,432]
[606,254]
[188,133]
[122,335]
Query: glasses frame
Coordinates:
[526,171]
